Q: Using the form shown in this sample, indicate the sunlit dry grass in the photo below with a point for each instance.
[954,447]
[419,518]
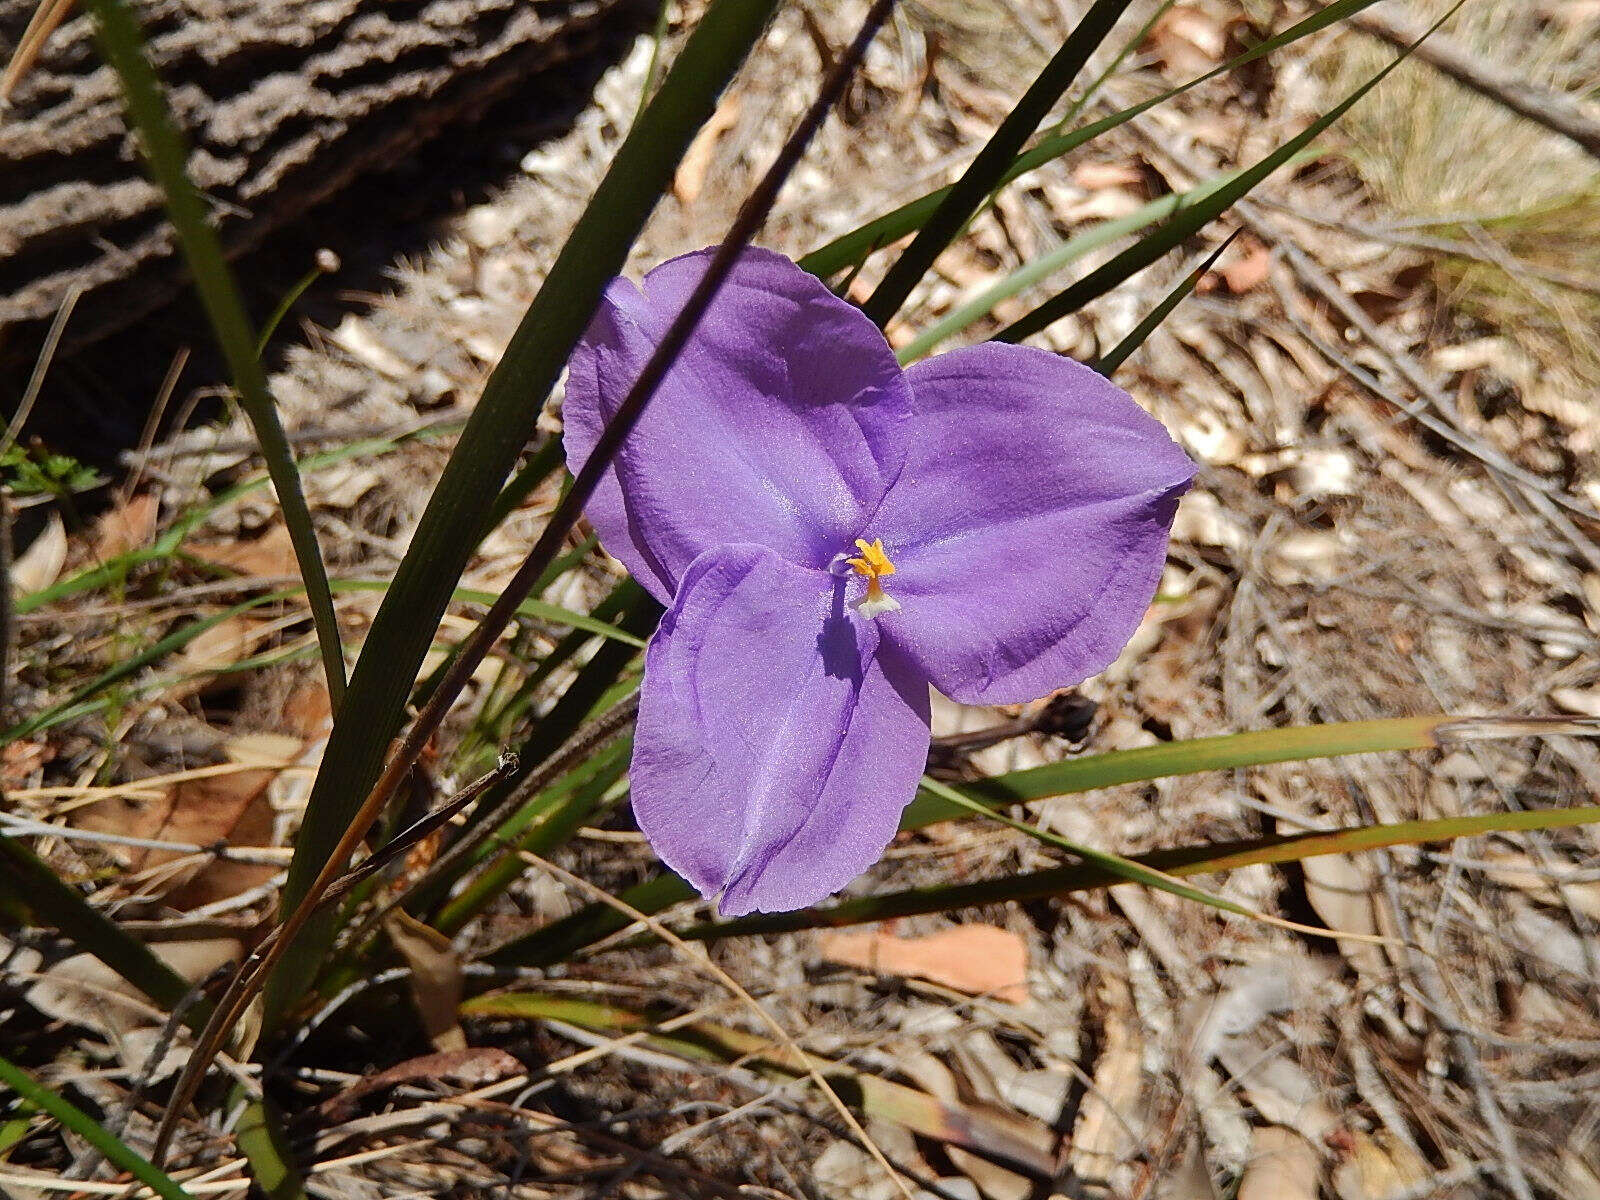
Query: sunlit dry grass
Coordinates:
[1526,200]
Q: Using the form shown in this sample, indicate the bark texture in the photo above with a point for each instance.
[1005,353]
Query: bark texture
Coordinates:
[284,102]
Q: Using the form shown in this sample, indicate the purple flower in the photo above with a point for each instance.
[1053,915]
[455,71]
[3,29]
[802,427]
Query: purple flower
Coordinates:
[830,535]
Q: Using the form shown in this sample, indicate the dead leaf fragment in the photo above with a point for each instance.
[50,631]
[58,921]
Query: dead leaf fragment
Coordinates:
[691,175]
[979,960]
[1283,1166]
[230,808]
[1188,40]
[436,979]
[84,991]
[37,567]
[267,557]
[1248,270]
[125,527]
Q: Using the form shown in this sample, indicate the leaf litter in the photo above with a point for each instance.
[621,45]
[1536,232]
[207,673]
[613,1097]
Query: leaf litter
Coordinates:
[1338,561]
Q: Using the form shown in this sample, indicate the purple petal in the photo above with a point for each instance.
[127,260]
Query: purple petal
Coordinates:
[1029,525]
[775,748]
[782,424]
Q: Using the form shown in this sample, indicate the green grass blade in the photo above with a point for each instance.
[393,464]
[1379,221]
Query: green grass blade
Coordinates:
[265,1145]
[561,939]
[853,247]
[1099,81]
[1126,870]
[1296,743]
[543,463]
[549,820]
[1182,861]
[987,170]
[219,294]
[128,667]
[705,1041]
[539,610]
[1108,364]
[113,570]
[90,1130]
[1188,221]
[500,425]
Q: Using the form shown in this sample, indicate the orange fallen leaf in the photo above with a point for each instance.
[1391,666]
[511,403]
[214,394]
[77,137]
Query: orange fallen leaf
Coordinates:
[980,960]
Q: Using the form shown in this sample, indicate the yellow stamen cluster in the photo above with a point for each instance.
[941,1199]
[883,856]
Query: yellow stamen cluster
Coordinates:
[874,566]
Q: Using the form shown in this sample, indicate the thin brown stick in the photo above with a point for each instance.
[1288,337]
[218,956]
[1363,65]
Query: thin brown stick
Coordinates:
[41,25]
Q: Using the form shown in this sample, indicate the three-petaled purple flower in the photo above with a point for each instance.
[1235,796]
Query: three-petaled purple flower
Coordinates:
[830,535]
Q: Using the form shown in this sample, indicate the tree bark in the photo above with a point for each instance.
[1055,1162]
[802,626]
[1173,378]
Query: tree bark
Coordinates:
[284,102]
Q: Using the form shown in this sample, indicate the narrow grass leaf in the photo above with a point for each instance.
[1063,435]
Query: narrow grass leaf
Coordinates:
[987,171]
[167,156]
[547,821]
[265,1145]
[1107,364]
[1047,264]
[1129,870]
[1182,861]
[170,543]
[990,1134]
[563,938]
[1189,221]
[79,1122]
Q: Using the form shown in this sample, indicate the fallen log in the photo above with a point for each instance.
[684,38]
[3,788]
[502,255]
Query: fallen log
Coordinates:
[284,102]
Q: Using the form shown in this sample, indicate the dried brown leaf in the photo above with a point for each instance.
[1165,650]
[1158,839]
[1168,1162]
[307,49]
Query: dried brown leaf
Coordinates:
[436,980]
[979,960]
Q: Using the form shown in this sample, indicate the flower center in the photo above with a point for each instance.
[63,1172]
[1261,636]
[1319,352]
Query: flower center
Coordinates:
[873,565]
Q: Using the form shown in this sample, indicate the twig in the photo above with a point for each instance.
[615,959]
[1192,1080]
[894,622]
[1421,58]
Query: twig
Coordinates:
[1556,111]
[41,368]
[41,25]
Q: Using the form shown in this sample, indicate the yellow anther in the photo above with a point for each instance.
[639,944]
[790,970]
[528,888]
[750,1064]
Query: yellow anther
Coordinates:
[873,565]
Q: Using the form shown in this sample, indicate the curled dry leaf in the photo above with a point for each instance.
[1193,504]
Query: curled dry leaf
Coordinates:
[37,567]
[436,981]
[691,176]
[1378,1168]
[979,960]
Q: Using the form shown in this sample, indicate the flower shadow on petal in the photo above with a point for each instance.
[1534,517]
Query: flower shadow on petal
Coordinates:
[838,643]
